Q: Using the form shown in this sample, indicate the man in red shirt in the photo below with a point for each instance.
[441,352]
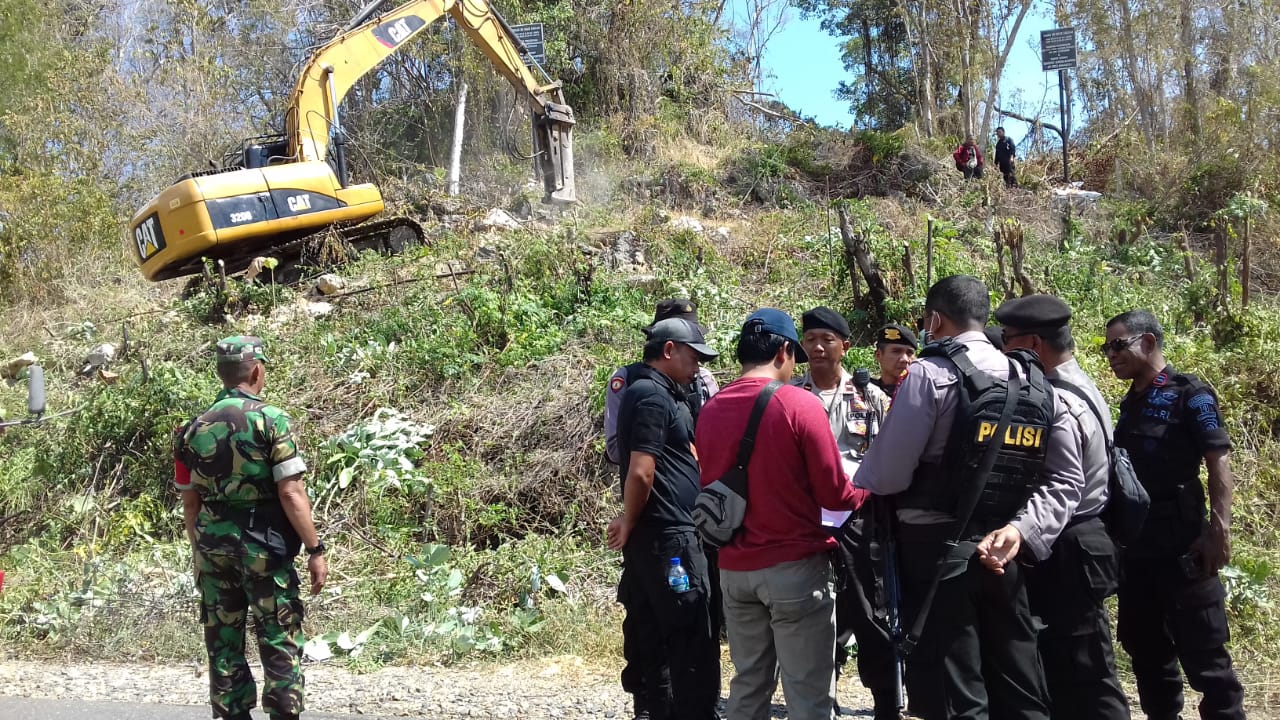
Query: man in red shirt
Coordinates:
[969,160]
[776,573]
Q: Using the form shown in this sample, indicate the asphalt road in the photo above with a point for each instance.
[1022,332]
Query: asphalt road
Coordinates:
[16,708]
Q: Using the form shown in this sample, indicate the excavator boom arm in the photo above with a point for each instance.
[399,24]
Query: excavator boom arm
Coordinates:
[332,70]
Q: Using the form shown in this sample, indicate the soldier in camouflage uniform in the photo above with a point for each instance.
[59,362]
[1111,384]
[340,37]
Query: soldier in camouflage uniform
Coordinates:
[246,513]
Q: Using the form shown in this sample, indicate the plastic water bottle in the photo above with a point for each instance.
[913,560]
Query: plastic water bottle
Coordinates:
[677,578]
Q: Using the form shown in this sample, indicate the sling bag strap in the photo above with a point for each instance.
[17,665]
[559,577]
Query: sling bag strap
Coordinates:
[748,443]
[969,501]
[1080,393]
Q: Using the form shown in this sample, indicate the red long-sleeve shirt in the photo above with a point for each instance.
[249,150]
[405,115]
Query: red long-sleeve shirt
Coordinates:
[794,472]
[961,155]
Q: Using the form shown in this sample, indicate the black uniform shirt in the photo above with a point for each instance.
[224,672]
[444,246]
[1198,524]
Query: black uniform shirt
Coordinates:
[888,389]
[1004,149]
[655,419]
[1167,429]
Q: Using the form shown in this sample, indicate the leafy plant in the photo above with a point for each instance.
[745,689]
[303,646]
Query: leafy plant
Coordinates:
[383,452]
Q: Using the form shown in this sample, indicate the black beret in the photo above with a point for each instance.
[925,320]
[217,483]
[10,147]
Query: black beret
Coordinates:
[895,335]
[824,318]
[1034,312]
[675,308]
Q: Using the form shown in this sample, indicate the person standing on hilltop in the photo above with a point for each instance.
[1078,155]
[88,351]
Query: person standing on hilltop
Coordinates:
[246,513]
[1006,151]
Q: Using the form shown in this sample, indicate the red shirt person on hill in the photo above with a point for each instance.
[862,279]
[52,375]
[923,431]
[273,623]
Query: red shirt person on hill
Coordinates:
[969,159]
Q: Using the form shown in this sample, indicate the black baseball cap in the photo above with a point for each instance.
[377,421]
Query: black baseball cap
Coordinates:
[682,331]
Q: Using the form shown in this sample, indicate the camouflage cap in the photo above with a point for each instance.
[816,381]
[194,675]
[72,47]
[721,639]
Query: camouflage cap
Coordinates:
[239,348]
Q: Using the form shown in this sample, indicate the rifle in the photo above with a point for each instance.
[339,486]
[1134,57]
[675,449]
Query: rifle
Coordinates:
[883,512]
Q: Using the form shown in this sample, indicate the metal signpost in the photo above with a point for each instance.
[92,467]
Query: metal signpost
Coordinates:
[533,42]
[1058,52]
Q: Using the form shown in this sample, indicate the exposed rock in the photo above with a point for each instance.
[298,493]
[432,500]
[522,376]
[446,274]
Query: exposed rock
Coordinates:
[685,223]
[328,284]
[445,205]
[625,253]
[11,369]
[497,219]
[318,309]
[99,356]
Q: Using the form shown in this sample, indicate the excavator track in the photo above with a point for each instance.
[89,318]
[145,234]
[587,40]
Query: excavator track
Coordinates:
[325,250]
[330,248]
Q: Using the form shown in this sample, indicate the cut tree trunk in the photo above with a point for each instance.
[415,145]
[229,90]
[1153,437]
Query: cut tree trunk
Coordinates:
[455,153]
[857,254]
[1008,236]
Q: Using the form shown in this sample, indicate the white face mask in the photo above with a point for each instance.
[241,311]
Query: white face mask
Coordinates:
[926,333]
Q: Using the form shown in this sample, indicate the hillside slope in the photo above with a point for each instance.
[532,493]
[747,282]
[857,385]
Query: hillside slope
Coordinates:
[449,401]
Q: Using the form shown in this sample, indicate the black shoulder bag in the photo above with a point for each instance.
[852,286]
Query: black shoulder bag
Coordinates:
[1128,502]
[721,506]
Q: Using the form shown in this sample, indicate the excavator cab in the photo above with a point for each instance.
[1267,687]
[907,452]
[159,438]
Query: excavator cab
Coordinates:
[264,150]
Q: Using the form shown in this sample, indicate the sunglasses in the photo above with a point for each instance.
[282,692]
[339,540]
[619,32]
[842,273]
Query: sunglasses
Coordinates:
[1118,344]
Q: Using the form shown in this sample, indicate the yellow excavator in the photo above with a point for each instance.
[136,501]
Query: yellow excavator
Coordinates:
[279,190]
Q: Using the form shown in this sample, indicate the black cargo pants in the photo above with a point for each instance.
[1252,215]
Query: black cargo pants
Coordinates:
[1068,592]
[977,657]
[672,652]
[1166,618]
[855,618]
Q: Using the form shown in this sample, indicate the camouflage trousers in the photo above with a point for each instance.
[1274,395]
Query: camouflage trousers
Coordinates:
[231,588]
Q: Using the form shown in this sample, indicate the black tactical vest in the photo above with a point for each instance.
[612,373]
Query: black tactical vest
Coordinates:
[1020,460]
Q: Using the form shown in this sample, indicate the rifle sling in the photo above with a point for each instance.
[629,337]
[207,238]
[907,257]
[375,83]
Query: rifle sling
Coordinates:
[966,506]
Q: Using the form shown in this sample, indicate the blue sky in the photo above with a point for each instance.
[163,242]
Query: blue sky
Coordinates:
[805,65]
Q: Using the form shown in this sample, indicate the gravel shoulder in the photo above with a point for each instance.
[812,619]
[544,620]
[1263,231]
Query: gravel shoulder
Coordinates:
[556,687]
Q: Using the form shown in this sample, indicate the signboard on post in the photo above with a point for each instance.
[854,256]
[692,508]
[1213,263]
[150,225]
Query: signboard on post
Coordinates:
[1058,49]
[530,34]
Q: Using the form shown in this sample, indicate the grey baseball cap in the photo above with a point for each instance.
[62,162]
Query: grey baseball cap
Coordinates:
[682,331]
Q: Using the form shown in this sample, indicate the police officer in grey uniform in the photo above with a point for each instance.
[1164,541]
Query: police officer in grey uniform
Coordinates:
[855,411]
[1067,590]
[976,656]
[696,394]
